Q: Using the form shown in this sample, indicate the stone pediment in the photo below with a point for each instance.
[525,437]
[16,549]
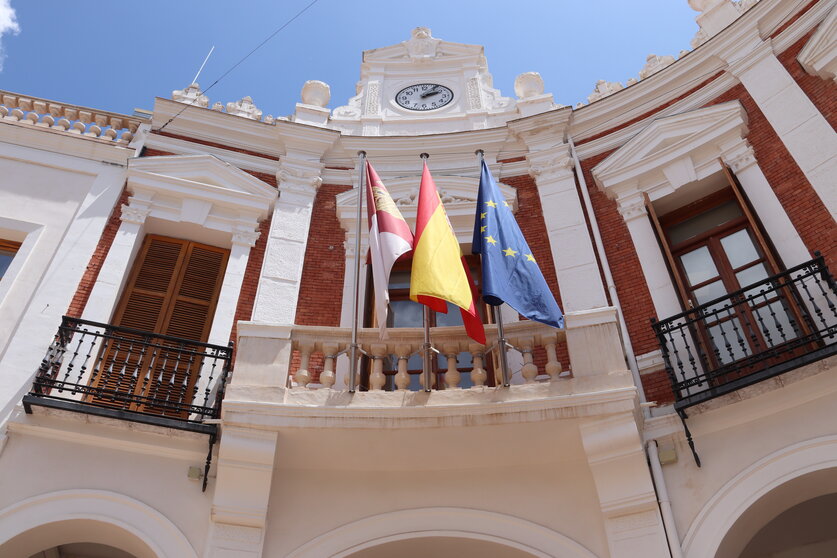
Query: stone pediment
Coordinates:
[206,170]
[422,46]
[169,185]
[668,140]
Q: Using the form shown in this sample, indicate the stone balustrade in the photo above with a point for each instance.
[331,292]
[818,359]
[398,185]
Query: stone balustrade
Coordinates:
[81,121]
[326,344]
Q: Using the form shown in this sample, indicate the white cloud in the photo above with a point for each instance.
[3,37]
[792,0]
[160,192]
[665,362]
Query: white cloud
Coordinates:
[8,24]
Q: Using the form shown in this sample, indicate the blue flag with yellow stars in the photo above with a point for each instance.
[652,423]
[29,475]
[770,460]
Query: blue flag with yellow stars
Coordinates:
[510,273]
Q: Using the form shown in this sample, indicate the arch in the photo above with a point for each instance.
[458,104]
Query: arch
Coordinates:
[725,508]
[144,527]
[495,527]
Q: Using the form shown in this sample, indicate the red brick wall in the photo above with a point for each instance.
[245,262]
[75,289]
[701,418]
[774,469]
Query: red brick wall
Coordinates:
[822,92]
[94,266]
[321,286]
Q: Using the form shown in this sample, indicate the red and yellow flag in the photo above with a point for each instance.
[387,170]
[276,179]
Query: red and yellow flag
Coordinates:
[439,273]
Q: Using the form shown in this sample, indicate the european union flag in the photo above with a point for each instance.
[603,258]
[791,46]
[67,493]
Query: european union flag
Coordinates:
[510,273]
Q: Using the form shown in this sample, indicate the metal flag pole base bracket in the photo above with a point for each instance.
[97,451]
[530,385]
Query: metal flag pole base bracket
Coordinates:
[683,417]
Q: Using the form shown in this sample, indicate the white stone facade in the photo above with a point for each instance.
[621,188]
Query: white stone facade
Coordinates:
[575,459]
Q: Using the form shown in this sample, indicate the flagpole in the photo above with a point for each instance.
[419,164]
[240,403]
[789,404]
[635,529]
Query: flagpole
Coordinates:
[426,348]
[353,351]
[498,316]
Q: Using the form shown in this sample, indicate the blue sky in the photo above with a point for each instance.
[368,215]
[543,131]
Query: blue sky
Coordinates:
[117,55]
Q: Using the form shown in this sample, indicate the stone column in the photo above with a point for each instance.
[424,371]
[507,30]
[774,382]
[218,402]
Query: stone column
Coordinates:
[276,298]
[242,241]
[808,136]
[242,493]
[624,486]
[117,264]
[651,258]
[570,243]
[742,160]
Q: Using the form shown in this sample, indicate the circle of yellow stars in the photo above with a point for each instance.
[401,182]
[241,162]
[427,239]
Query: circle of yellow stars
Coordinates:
[508,252]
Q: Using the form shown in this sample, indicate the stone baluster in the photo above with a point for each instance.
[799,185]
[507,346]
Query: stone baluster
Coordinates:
[377,378]
[402,377]
[31,118]
[357,374]
[328,376]
[452,375]
[478,373]
[4,112]
[530,369]
[86,118]
[16,114]
[553,366]
[303,376]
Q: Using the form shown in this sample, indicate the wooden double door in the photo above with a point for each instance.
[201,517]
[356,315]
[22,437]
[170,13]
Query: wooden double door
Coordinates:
[168,302]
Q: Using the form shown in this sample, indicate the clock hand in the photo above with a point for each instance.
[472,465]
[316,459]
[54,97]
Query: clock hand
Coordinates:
[433,91]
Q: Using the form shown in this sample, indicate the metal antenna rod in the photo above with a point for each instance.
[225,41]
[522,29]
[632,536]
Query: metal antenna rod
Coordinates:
[353,352]
[204,64]
[498,316]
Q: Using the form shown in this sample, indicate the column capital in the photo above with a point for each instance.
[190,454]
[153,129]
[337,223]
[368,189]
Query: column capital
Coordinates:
[132,213]
[550,164]
[631,207]
[740,158]
[300,177]
[245,238]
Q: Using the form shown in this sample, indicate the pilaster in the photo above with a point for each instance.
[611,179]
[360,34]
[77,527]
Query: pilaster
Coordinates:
[276,298]
[242,492]
[570,242]
[804,131]
[742,160]
[624,487]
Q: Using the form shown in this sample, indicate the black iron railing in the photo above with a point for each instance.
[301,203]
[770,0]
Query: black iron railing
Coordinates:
[132,375]
[765,329]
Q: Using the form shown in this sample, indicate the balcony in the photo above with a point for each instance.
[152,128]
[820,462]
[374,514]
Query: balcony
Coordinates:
[768,328]
[132,375]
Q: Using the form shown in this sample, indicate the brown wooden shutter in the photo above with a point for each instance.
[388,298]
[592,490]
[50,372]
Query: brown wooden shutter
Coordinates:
[172,290]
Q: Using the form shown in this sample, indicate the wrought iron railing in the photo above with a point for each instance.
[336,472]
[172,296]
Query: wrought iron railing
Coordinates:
[131,374]
[765,329]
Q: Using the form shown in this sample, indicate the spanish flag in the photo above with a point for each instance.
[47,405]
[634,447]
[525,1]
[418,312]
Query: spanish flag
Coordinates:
[439,273]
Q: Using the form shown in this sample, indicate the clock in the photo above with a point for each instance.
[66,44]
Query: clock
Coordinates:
[424,96]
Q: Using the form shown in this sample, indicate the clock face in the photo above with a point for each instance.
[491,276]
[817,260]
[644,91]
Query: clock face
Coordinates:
[424,96]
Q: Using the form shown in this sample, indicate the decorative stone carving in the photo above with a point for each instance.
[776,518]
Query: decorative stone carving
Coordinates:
[741,161]
[133,214]
[246,238]
[654,64]
[704,5]
[474,97]
[633,211]
[545,169]
[245,108]
[528,84]
[316,93]
[604,89]
[373,96]
[700,37]
[421,45]
[191,96]
[218,106]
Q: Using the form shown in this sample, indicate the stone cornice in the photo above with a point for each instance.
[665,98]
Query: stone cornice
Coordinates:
[236,158]
[209,125]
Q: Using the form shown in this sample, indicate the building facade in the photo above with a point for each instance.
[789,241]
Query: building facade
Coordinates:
[176,308]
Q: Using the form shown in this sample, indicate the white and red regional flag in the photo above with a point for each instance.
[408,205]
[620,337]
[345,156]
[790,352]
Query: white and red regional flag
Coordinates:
[389,238]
